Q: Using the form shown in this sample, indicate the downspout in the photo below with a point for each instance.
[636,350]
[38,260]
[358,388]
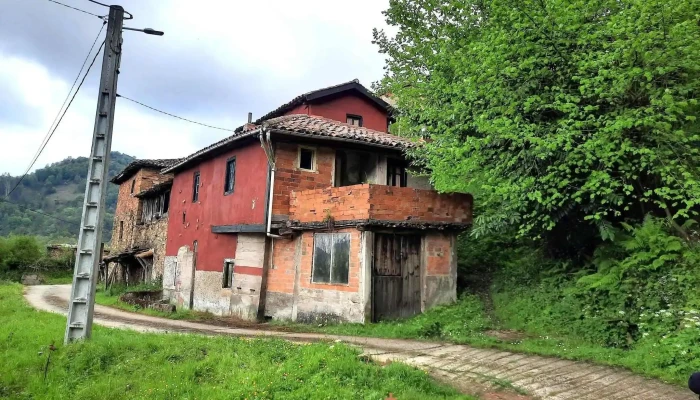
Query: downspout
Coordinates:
[267,147]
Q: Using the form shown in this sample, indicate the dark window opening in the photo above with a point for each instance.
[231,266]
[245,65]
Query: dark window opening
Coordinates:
[331,258]
[121,230]
[396,173]
[230,179]
[154,208]
[354,120]
[133,186]
[227,280]
[195,188]
[184,215]
[354,168]
[306,158]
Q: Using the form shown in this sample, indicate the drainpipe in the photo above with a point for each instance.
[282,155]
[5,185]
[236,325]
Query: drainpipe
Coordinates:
[267,147]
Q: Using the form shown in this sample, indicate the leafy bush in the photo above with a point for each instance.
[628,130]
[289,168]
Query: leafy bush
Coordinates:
[18,252]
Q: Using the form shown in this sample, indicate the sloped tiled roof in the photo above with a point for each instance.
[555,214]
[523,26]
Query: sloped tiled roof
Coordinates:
[304,125]
[136,165]
[310,125]
[155,189]
[320,93]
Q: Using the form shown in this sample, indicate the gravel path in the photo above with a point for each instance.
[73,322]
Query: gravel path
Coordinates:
[545,378]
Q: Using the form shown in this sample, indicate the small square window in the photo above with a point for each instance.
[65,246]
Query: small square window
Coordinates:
[307,158]
[331,263]
[354,120]
[227,279]
[230,176]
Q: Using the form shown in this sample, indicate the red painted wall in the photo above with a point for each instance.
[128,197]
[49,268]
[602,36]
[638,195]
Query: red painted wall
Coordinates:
[337,109]
[246,205]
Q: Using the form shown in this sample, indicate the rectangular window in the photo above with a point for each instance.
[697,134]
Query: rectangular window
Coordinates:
[354,120]
[166,202]
[133,186]
[195,188]
[230,179]
[307,158]
[396,173]
[121,230]
[331,258]
[227,280]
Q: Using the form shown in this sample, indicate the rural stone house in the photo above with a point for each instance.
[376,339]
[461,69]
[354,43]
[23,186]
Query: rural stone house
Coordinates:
[140,222]
[310,213]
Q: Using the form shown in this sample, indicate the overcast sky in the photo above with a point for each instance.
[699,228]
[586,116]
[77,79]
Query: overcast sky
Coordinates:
[217,61]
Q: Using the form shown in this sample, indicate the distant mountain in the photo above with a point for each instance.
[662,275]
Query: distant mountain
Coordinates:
[56,190]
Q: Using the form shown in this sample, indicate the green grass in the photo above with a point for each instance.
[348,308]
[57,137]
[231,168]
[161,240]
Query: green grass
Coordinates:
[129,365]
[466,323]
[110,298]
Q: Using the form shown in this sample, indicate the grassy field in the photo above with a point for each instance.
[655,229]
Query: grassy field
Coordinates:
[467,323]
[127,365]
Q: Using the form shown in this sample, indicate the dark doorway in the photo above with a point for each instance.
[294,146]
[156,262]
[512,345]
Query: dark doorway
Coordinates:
[395,276]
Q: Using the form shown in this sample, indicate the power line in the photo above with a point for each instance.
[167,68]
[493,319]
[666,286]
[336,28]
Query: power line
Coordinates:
[78,9]
[38,212]
[65,110]
[108,6]
[173,115]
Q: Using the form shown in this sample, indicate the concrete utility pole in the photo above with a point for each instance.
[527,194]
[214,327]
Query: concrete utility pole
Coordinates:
[87,261]
[82,301]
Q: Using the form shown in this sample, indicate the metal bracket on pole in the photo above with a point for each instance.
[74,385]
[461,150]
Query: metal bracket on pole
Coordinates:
[82,301]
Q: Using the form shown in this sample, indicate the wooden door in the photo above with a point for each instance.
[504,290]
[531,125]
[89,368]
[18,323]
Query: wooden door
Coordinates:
[395,276]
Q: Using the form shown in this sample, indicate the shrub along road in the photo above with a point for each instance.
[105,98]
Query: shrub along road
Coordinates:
[547,378]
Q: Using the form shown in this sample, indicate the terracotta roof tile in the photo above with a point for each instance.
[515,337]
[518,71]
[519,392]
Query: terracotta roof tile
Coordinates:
[324,127]
[135,165]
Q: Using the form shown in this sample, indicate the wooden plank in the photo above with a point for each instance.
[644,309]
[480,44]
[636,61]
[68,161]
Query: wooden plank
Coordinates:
[244,228]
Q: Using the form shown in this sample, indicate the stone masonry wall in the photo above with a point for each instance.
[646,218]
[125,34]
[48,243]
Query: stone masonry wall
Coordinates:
[135,234]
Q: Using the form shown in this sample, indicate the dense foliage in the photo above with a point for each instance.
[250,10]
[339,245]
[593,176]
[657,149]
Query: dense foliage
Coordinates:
[558,115]
[56,190]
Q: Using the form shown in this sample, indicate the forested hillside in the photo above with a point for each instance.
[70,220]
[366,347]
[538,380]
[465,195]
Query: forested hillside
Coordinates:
[56,190]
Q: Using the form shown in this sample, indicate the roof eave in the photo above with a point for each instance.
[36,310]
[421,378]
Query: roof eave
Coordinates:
[397,147]
[203,154]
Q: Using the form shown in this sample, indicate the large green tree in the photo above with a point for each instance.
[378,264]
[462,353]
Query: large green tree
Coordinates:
[557,114]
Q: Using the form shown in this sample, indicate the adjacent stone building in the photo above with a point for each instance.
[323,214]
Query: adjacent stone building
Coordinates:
[140,222]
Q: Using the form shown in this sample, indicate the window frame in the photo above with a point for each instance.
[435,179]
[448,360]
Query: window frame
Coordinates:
[314,153]
[330,267]
[229,162]
[359,119]
[121,230]
[133,185]
[391,165]
[229,266]
[196,182]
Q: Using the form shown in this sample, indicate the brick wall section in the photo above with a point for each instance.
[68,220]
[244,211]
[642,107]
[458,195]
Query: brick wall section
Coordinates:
[438,248]
[281,276]
[288,177]
[380,202]
[127,210]
[342,203]
[307,254]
